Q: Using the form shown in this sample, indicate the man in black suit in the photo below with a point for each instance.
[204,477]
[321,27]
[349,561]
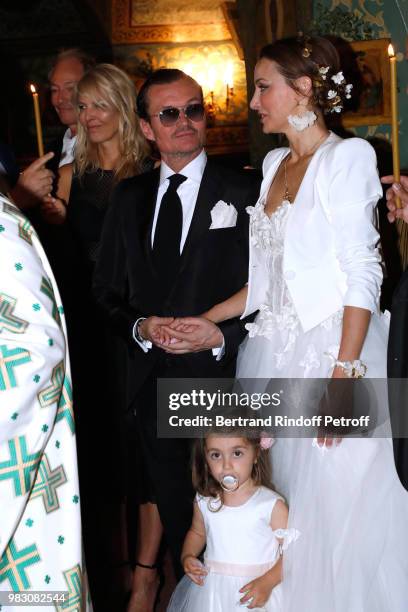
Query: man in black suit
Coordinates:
[398,339]
[167,252]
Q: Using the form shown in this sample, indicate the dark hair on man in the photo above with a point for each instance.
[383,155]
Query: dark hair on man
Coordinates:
[84,58]
[162,76]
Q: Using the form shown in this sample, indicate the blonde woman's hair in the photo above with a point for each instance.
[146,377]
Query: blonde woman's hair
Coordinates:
[108,83]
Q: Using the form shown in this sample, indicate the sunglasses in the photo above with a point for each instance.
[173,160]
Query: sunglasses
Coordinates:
[170,116]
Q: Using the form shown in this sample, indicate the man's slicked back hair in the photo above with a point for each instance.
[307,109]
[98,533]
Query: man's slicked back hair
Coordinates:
[162,76]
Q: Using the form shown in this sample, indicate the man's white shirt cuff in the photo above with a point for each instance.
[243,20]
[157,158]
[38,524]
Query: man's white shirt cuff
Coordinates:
[219,352]
[145,345]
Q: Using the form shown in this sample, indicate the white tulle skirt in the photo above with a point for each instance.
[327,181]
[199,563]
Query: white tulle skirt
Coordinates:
[347,501]
[219,593]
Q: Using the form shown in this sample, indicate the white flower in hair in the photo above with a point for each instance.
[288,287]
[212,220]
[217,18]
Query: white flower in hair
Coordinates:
[331,94]
[338,108]
[338,78]
[323,70]
[348,89]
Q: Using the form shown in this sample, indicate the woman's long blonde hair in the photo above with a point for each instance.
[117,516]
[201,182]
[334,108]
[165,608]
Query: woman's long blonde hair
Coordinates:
[110,84]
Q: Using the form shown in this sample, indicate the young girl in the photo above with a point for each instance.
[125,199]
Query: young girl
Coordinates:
[242,523]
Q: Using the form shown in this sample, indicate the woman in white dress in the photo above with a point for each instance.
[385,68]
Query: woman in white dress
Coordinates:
[315,277]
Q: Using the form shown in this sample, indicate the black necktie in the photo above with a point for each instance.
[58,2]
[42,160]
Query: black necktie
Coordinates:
[167,236]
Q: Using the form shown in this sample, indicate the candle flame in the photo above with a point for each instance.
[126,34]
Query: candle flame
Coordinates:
[229,75]
[391,51]
[33,89]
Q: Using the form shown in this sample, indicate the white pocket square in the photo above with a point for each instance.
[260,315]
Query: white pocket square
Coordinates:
[223,215]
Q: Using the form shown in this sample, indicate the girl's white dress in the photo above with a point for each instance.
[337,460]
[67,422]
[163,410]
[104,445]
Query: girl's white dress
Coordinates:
[240,547]
[347,501]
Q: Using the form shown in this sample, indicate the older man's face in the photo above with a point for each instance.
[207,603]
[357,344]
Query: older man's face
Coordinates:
[64,78]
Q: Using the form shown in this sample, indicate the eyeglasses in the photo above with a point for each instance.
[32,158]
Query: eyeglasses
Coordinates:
[169,116]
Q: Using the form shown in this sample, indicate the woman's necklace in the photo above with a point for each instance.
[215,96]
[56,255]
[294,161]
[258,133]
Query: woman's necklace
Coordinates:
[286,195]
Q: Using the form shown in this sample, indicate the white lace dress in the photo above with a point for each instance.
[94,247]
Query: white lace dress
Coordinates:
[347,502]
[276,346]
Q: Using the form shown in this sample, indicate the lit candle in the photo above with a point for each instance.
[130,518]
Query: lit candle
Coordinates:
[229,82]
[211,79]
[37,116]
[229,75]
[394,119]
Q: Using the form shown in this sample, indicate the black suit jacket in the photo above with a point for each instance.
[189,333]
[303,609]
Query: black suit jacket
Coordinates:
[398,339]
[213,266]
[398,370]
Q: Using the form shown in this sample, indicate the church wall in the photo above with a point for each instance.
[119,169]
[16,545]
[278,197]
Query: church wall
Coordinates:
[384,20]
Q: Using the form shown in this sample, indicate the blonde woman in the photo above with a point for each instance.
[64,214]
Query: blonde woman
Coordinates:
[110,147]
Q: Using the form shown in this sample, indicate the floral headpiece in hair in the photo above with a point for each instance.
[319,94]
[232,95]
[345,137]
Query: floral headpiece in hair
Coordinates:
[332,101]
[338,90]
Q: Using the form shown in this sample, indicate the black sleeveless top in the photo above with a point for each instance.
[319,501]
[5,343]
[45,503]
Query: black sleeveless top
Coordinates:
[88,203]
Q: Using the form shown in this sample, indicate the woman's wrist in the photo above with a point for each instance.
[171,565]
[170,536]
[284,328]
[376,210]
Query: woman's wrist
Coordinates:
[350,368]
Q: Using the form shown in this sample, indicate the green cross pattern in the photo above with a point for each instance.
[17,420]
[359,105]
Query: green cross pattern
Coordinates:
[46,288]
[46,483]
[20,465]
[60,390]
[52,393]
[10,359]
[8,320]
[14,563]
[65,406]
[73,578]
[25,229]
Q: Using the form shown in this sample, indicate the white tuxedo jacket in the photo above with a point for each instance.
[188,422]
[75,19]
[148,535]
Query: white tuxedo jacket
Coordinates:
[331,258]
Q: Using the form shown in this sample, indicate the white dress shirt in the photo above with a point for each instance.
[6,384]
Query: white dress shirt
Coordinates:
[187,192]
[68,148]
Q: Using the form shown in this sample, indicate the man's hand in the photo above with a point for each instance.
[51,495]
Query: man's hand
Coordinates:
[150,328]
[34,183]
[397,189]
[201,335]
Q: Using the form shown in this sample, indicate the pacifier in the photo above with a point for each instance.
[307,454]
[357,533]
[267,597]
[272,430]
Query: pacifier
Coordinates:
[229,483]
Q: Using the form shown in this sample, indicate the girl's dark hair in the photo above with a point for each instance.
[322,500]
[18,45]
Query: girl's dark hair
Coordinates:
[206,485]
[304,56]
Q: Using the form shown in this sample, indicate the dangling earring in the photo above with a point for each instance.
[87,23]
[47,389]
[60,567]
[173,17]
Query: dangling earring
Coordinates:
[301,122]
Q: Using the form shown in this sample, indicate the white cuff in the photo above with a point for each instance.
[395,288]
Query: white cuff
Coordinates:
[145,345]
[219,352]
